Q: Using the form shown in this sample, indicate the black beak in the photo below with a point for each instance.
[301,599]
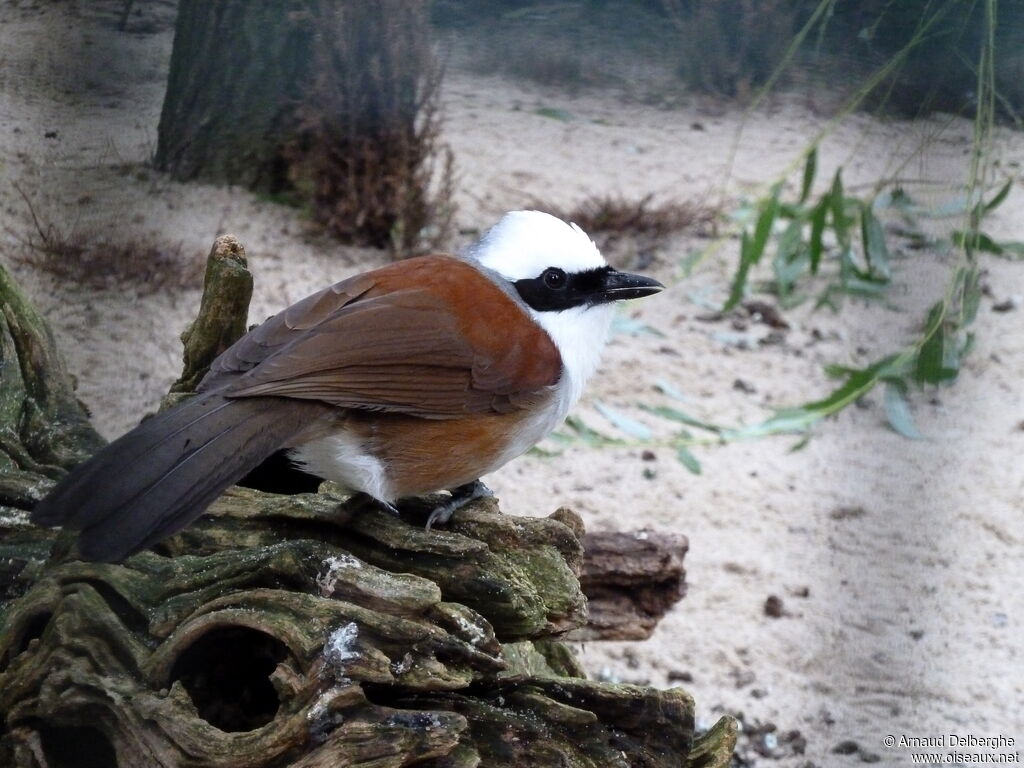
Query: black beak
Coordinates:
[622,285]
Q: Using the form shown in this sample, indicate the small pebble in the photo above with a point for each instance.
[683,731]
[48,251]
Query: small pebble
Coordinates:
[743,386]
[773,607]
[847,747]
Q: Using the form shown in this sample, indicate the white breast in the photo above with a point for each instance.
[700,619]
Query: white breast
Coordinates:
[580,334]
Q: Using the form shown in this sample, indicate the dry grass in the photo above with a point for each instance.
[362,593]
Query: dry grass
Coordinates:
[613,219]
[367,152]
[98,261]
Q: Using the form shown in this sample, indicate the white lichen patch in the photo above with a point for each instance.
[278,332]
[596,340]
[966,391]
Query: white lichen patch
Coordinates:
[475,634]
[403,666]
[340,648]
[329,571]
[14,518]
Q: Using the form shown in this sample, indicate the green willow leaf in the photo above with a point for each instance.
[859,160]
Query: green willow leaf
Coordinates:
[817,231]
[810,169]
[674,414]
[800,418]
[584,432]
[623,423]
[763,229]
[897,411]
[974,240]
[739,280]
[930,365]
[996,201]
[876,252]
[669,389]
[837,205]
[687,459]
[1013,248]
[971,296]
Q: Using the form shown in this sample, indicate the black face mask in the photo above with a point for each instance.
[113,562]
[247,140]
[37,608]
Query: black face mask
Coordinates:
[555,290]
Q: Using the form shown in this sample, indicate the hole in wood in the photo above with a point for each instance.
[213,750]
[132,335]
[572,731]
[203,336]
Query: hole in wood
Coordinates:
[227,674]
[32,629]
[76,747]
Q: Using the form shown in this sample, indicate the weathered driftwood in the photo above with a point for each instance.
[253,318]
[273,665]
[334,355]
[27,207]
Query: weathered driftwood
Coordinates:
[43,428]
[227,289]
[308,631]
[631,579]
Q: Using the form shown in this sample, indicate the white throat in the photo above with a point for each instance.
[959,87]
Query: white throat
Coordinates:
[580,334]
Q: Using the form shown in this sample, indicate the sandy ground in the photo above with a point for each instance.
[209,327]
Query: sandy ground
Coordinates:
[898,561]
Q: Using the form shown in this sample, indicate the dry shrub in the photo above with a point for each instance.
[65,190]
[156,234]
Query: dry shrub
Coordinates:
[367,151]
[91,260]
[611,219]
[730,47]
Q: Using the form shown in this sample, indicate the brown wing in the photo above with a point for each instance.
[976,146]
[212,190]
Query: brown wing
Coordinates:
[268,338]
[389,340]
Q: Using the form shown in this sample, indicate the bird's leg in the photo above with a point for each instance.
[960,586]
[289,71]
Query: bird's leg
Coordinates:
[461,496]
[372,501]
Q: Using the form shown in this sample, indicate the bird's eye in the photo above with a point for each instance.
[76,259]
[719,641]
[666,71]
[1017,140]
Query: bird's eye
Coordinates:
[554,278]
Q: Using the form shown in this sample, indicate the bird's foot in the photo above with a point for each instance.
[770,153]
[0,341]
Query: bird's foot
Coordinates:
[461,496]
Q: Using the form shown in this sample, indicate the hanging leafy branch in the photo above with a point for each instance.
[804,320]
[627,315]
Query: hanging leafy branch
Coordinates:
[860,251]
[861,257]
[839,237]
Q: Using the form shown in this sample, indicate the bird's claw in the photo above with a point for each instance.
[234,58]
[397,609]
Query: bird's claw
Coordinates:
[461,496]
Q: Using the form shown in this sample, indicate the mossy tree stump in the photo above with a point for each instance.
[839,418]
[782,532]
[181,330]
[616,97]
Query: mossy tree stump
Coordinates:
[302,630]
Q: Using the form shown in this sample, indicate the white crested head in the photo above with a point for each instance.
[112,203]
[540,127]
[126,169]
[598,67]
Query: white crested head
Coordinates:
[525,243]
[564,285]
[522,248]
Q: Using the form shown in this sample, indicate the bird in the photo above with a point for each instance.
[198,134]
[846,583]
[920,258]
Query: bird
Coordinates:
[419,376]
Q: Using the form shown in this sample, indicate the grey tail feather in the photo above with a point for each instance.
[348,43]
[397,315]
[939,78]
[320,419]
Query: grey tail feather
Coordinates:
[162,475]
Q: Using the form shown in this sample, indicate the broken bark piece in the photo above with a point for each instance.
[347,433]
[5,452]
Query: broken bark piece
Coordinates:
[223,313]
[714,749]
[631,579]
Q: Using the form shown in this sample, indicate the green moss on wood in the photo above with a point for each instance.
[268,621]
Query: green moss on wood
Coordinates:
[43,428]
[223,313]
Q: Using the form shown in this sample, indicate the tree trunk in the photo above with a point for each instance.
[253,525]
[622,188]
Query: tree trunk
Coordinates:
[328,104]
[238,70]
[304,630]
